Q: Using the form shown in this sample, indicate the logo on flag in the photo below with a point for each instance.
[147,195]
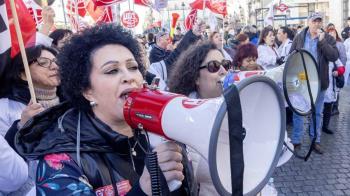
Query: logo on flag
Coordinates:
[34,10]
[76,4]
[130,19]
[191,19]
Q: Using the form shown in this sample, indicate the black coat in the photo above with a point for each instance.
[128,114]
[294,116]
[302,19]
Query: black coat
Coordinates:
[105,154]
[157,54]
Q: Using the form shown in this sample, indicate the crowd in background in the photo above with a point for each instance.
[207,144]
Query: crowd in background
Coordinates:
[68,141]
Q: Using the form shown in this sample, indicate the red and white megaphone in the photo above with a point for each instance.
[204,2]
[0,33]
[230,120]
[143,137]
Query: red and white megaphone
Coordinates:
[203,125]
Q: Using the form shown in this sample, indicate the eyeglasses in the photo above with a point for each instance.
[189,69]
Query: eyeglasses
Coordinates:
[214,66]
[45,62]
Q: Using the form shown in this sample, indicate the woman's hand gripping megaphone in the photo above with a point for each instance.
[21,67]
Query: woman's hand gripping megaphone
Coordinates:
[168,152]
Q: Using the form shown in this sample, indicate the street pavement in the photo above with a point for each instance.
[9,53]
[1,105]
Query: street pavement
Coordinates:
[327,174]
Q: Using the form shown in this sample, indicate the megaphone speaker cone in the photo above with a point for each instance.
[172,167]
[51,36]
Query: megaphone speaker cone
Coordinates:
[203,125]
[264,120]
[300,78]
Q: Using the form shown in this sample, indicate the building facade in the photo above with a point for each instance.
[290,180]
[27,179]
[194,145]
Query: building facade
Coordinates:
[335,11]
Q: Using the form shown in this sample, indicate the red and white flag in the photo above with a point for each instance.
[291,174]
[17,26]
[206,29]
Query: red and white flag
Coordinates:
[76,4]
[191,19]
[147,3]
[9,46]
[216,6]
[99,14]
[106,17]
[106,2]
[27,25]
[34,10]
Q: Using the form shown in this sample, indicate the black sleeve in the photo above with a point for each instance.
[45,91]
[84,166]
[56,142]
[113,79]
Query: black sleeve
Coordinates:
[344,33]
[10,135]
[294,44]
[149,77]
[186,41]
[329,48]
[156,55]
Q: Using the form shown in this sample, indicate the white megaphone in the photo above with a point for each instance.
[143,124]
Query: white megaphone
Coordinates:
[203,125]
[297,77]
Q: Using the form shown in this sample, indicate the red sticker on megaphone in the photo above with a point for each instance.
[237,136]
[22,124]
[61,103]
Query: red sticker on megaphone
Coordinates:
[192,103]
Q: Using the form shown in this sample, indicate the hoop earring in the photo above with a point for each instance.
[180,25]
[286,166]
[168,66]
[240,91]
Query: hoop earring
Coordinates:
[93,104]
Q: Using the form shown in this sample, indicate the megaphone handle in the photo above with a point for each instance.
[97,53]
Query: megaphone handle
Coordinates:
[155,140]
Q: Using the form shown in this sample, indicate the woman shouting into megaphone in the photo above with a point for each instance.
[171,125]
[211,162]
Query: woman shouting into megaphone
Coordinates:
[85,145]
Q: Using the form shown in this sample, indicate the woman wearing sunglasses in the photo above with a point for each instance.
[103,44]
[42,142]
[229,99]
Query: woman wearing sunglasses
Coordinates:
[15,104]
[198,74]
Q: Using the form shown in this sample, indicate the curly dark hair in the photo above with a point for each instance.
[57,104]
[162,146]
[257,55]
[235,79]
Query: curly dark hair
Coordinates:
[75,59]
[186,69]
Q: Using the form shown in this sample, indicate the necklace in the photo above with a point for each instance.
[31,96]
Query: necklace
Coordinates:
[133,152]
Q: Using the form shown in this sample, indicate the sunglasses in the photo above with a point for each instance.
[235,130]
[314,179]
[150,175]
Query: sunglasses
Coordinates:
[214,66]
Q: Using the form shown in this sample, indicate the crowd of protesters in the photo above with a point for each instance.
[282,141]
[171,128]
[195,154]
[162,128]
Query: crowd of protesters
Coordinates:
[74,139]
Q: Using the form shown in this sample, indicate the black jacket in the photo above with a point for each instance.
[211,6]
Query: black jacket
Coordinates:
[327,52]
[105,154]
[157,54]
[188,39]
[345,33]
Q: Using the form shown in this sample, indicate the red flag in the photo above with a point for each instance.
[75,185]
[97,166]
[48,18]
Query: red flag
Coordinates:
[36,15]
[106,2]
[106,17]
[80,4]
[34,10]
[216,6]
[99,14]
[27,25]
[197,4]
[190,19]
[147,3]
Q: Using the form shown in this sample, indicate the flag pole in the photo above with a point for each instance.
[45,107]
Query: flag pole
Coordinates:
[22,49]
[223,31]
[204,2]
[64,14]
[133,5]
[76,13]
